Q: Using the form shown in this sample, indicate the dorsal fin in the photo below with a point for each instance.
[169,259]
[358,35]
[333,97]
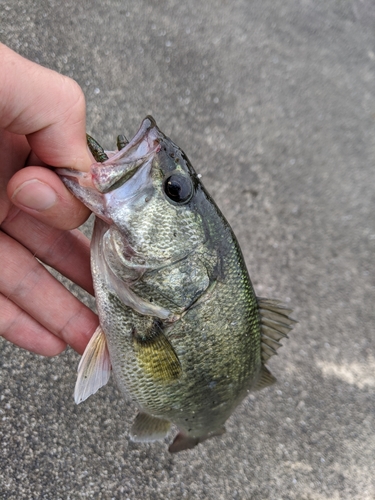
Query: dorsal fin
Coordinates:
[275,324]
[265,379]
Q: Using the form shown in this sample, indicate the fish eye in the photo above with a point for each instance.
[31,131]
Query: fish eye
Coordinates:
[178,188]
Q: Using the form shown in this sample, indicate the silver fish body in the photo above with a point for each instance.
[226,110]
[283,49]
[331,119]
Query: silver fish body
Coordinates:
[180,324]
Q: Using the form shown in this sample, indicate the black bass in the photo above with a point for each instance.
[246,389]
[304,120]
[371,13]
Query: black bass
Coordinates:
[180,324]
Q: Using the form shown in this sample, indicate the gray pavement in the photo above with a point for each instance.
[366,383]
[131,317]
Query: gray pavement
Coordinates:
[274,104]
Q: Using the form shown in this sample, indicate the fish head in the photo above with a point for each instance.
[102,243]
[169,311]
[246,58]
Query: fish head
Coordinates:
[149,195]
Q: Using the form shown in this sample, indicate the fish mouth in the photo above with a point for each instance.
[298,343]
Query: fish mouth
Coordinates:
[120,166]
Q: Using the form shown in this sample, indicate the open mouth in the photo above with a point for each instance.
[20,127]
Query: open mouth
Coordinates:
[119,166]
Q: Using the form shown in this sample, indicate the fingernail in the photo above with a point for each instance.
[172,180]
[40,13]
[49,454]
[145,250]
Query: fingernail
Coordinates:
[35,195]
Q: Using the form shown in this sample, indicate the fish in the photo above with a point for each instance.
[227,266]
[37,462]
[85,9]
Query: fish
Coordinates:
[180,325]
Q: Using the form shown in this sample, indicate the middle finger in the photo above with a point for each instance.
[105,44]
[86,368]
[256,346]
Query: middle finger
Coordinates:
[66,251]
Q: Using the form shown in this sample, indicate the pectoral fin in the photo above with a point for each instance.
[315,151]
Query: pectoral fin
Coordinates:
[94,368]
[148,428]
[156,355]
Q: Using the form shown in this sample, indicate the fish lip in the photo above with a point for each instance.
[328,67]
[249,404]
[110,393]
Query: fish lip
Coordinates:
[84,179]
[105,186]
[148,126]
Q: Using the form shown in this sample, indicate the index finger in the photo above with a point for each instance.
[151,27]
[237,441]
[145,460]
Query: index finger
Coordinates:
[47,107]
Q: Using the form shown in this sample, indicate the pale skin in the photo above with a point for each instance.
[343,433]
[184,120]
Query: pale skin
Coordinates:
[42,122]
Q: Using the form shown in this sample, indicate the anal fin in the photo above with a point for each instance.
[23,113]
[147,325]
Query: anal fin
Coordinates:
[184,442]
[148,428]
[94,369]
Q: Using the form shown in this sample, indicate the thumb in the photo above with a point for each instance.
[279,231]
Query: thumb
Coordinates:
[40,192]
[47,107]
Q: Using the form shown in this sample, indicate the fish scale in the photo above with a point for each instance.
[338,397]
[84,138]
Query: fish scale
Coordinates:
[238,349]
[180,323]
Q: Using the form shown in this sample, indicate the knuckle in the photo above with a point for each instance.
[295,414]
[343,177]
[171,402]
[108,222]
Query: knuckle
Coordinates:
[74,94]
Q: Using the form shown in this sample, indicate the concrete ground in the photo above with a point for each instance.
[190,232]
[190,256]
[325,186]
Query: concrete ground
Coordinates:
[274,104]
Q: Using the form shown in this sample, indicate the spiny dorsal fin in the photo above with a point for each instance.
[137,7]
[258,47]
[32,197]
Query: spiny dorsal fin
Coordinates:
[275,324]
[94,369]
[148,428]
[265,379]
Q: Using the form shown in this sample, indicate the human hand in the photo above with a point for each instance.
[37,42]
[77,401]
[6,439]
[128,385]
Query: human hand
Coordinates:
[42,122]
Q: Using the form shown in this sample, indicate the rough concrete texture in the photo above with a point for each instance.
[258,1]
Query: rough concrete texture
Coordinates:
[274,104]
